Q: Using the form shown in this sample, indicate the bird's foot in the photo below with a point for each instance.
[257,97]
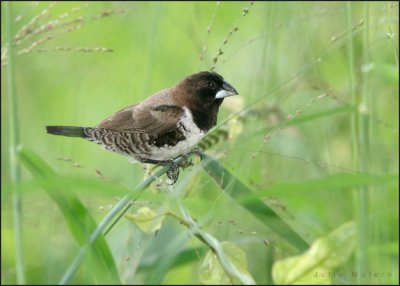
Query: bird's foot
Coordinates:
[173,172]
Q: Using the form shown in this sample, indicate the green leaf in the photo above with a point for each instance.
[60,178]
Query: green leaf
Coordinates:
[77,217]
[146,219]
[211,271]
[316,264]
[238,191]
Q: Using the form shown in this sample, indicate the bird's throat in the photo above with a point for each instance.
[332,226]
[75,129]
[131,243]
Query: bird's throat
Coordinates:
[205,119]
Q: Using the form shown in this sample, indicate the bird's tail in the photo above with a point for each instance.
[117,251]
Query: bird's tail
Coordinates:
[69,131]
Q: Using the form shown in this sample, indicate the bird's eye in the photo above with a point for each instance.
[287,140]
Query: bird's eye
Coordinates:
[211,84]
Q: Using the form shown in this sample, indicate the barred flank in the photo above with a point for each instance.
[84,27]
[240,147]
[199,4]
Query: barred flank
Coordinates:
[134,144]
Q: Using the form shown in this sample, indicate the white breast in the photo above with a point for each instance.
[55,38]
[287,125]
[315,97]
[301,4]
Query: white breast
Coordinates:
[192,134]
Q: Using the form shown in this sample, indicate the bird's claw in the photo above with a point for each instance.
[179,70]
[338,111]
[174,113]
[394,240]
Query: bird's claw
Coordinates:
[173,172]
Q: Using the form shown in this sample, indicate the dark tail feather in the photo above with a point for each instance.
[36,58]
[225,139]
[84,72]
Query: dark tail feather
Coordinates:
[70,131]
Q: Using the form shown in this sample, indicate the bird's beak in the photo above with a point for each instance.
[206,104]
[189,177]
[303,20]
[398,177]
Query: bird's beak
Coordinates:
[227,90]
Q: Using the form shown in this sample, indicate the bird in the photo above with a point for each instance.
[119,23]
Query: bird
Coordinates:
[164,126]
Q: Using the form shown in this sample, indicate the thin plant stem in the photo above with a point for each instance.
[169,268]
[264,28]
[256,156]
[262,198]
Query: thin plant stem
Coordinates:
[364,133]
[15,167]
[361,199]
[215,246]
[391,33]
[352,93]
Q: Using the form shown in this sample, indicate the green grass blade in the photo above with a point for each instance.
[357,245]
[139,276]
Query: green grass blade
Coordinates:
[14,141]
[77,217]
[359,146]
[237,190]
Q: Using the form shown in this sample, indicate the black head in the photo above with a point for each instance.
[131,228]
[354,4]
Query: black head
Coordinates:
[206,87]
[203,93]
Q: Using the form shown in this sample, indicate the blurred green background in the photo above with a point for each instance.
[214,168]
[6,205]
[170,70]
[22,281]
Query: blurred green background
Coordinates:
[318,85]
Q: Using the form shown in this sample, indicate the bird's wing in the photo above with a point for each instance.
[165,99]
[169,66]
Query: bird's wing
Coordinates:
[154,120]
[120,118]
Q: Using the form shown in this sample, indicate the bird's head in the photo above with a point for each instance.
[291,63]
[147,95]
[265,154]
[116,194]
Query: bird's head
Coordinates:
[205,89]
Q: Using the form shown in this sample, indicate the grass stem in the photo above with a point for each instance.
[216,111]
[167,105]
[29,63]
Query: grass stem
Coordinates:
[360,142]
[364,134]
[13,143]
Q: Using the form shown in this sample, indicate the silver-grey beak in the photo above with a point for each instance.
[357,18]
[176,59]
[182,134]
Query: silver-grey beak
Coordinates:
[227,90]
